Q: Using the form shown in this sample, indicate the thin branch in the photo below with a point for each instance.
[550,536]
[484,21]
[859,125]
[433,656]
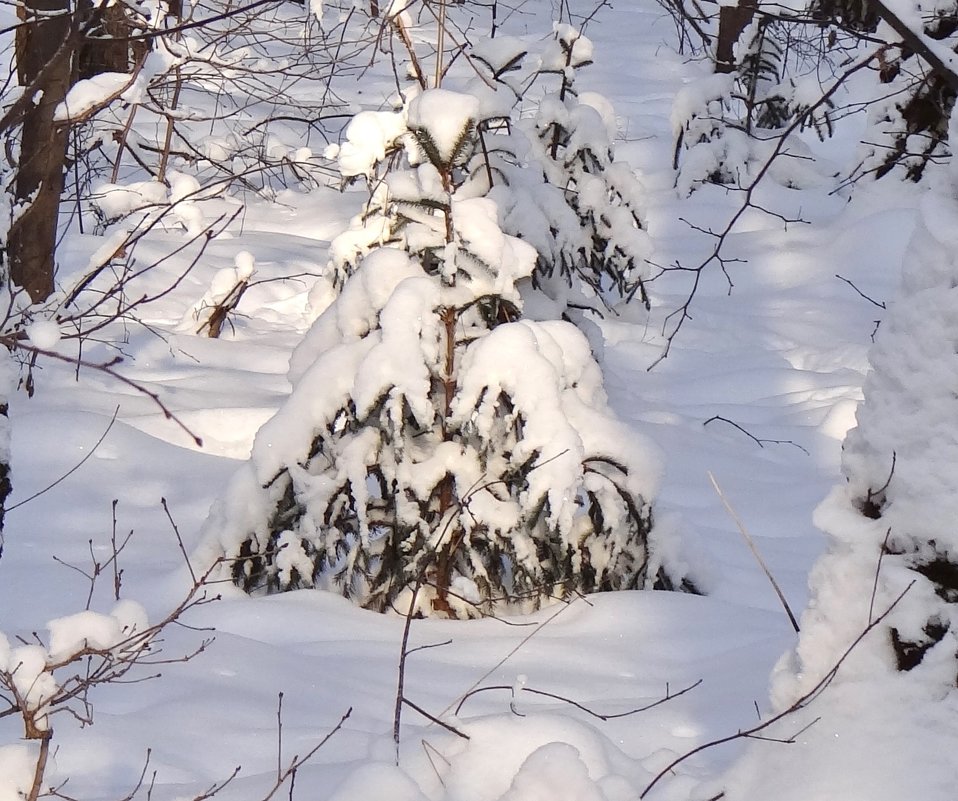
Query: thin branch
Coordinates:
[755,552]
[677,318]
[879,303]
[427,646]
[802,702]
[179,542]
[600,716]
[11,341]
[761,442]
[448,727]
[881,556]
[73,469]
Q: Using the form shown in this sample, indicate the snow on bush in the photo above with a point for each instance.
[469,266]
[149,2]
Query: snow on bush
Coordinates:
[27,671]
[436,447]
[891,711]
[534,757]
[728,126]
[560,187]
[16,772]
[908,116]
[552,173]
[226,290]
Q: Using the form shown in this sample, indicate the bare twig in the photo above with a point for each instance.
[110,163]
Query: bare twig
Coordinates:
[179,540]
[429,716]
[600,716]
[108,368]
[881,556]
[677,318]
[73,469]
[761,442]
[800,703]
[879,303]
[755,552]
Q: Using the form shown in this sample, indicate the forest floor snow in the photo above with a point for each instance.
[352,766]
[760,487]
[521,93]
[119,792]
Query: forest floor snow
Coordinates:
[759,389]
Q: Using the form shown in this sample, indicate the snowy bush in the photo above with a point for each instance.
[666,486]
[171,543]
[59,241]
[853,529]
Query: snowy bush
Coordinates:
[437,450]
[891,564]
[551,171]
[726,125]
[581,209]
[908,124]
[901,499]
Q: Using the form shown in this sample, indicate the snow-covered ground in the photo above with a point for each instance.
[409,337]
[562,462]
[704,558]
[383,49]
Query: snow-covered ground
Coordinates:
[759,389]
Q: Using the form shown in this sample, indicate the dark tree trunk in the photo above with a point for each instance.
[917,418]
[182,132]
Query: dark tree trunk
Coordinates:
[99,52]
[39,183]
[5,486]
[732,21]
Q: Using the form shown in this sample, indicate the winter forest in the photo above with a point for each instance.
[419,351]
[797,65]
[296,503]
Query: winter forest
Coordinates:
[479,400]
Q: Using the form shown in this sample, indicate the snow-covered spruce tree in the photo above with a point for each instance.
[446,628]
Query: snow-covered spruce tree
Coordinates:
[727,124]
[561,188]
[434,441]
[785,59]
[549,164]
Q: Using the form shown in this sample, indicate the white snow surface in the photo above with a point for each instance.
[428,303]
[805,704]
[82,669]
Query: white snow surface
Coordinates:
[91,93]
[782,358]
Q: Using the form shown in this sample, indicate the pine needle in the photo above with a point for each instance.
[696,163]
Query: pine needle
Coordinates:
[752,547]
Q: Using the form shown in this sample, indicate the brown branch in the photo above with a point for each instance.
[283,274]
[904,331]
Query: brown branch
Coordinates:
[604,717]
[757,440]
[41,766]
[683,312]
[107,368]
[802,702]
[429,716]
[917,42]
[879,303]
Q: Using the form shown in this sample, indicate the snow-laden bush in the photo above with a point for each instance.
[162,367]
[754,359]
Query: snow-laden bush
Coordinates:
[881,629]
[727,126]
[436,449]
[907,126]
[900,502]
[547,161]
[563,191]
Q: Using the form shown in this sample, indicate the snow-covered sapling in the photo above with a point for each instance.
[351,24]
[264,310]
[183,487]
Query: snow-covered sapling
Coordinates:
[436,451]
[560,187]
[55,674]
[551,171]
[727,125]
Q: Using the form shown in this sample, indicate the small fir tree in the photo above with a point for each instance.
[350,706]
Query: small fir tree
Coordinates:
[551,171]
[561,187]
[728,124]
[436,447]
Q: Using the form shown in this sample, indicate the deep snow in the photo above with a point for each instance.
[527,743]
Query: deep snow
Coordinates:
[783,356]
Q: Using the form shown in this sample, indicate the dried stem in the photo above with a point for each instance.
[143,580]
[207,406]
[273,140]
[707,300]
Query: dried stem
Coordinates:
[802,702]
[755,552]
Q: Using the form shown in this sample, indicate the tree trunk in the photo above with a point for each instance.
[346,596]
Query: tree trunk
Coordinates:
[31,243]
[100,52]
[732,21]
